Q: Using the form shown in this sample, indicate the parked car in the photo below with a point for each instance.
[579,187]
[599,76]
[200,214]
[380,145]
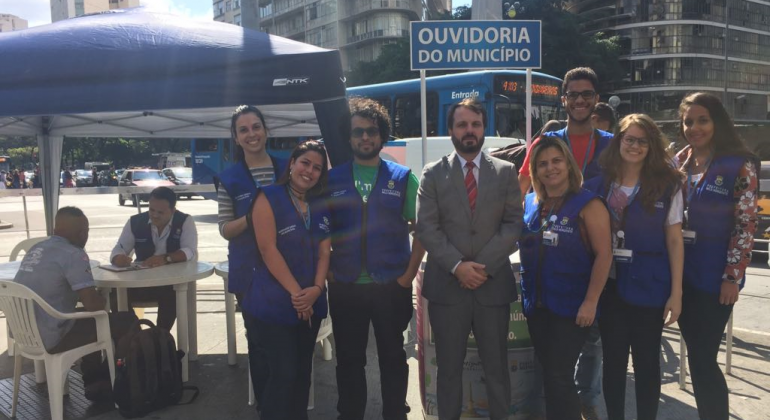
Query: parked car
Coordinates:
[180,176]
[83,178]
[141,178]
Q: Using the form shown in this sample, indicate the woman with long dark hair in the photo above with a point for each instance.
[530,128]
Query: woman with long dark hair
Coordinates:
[719,224]
[643,193]
[286,302]
[254,168]
[565,258]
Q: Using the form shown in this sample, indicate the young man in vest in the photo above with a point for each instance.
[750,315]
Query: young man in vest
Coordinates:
[59,271]
[579,97]
[162,235]
[372,203]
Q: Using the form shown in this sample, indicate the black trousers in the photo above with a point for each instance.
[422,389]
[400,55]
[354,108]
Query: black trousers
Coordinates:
[289,355]
[558,341]
[164,296]
[388,307]
[257,360]
[92,366]
[637,329]
[703,322]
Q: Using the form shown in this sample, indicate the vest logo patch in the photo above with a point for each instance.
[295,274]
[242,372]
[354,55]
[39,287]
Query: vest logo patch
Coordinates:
[391,184]
[394,193]
[326,220]
[715,188]
[244,196]
[338,193]
[659,205]
[720,180]
[564,221]
[287,230]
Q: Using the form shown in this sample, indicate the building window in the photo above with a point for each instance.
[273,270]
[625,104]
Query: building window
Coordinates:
[228,5]
[237,19]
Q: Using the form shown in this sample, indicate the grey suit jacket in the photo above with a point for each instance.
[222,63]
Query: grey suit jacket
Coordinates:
[451,233]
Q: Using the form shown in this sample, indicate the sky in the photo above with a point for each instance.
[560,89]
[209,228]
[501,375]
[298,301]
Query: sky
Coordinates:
[38,12]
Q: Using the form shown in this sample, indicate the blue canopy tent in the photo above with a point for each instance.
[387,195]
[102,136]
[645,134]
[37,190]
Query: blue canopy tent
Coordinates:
[139,74]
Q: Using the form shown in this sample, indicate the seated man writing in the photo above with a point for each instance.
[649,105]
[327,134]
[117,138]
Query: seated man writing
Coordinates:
[160,236]
[58,270]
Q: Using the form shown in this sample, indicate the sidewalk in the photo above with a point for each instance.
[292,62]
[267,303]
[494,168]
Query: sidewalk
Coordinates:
[224,388]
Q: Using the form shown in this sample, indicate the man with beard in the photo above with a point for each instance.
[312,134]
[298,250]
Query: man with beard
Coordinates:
[469,218]
[372,203]
[579,98]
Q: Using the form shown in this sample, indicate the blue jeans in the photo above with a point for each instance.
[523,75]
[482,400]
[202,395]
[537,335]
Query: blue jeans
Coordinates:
[588,371]
[289,355]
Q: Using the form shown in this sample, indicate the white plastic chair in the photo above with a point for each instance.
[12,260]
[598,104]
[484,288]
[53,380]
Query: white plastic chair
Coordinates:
[18,303]
[25,246]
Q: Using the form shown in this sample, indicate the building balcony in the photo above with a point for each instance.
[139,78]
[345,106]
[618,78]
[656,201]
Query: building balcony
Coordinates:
[414,7]
[377,34]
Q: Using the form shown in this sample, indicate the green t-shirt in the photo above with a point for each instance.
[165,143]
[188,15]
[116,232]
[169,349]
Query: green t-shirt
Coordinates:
[364,178]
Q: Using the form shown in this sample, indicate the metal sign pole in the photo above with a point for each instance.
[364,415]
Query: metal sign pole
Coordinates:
[424,118]
[529,108]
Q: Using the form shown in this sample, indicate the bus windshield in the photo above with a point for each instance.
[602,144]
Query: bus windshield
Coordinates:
[510,118]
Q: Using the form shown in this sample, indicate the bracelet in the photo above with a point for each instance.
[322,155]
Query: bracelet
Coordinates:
[319,288]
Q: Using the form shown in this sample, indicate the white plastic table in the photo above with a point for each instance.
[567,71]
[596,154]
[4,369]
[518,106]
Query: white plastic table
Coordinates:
[180,275]
[222,270]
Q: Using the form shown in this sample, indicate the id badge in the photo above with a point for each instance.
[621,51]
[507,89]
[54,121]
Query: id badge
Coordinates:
[550,238]
[689,236]
[623,255]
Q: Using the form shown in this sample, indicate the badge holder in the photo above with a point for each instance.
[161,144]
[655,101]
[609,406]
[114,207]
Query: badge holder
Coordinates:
[621,254]
[551,238]
[689,236]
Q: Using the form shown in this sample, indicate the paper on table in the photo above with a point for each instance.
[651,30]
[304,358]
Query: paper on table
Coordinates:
[132,267]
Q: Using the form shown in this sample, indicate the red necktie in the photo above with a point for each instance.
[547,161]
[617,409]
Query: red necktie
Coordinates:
[470,185]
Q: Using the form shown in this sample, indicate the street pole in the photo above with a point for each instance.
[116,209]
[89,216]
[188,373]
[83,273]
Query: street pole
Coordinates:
[727,40]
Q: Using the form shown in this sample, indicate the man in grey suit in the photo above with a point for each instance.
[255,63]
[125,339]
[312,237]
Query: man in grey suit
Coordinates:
[469,218]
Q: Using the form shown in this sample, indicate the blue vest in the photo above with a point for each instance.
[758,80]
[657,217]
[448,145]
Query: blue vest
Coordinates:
[710,215]
[372,236]
[242,189]
[143,245]
[265,298]
[555,277]
[602,139]
[646,281]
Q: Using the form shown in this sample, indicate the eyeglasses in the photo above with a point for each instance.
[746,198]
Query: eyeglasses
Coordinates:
[358,132]
[586,94]
[630,141]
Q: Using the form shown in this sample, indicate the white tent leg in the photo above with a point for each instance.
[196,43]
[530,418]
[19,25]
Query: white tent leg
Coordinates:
[50,148]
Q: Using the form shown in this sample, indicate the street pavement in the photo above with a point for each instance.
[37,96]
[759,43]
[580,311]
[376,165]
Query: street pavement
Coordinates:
[224,388]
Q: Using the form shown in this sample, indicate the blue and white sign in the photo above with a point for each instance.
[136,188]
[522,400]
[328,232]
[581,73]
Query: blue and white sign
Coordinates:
[473,44]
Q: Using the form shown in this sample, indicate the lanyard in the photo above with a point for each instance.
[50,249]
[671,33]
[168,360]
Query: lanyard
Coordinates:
[692,188]
[631,198]
[588,149]
[297,207]
[547,221]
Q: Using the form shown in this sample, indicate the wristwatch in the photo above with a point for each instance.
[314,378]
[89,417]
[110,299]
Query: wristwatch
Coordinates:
[168,259]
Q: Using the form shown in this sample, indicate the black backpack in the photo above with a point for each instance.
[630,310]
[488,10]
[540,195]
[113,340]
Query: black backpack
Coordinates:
[514,153]
[148,371]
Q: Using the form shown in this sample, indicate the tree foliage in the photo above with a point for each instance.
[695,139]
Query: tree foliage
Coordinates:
[76,151]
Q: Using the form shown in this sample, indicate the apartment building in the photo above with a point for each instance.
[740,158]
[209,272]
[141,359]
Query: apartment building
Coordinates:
[65,9]
[358,28]
[671,47]
[10,23]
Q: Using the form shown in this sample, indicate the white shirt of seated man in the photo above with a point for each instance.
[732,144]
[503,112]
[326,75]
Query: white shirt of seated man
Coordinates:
[161,213]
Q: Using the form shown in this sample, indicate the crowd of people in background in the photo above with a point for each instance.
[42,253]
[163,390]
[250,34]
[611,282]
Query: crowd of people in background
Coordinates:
[17,178]
[618,238]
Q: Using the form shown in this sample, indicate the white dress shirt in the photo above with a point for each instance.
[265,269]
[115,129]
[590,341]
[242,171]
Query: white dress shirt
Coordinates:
[476,161]
[188,242]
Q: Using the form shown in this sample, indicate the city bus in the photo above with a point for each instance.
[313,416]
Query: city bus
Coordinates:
[5,163]
[501,91]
